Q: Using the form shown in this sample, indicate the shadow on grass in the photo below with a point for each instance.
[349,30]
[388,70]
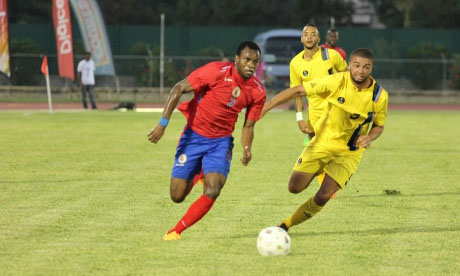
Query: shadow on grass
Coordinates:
[381,231]
[368,232]
[402,194]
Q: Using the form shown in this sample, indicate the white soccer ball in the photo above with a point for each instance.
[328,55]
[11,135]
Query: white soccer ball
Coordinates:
[273,241]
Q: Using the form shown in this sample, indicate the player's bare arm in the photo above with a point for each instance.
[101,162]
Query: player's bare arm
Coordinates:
[284,96]
[300,121]
[247,136]
[180,88]
[366,140]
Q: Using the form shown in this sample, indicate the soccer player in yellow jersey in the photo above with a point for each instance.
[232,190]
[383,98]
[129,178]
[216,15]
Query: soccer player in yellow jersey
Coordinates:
[312,63]
[355,115]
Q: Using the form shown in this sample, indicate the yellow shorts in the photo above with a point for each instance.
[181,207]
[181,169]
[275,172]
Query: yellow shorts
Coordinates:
[338,164]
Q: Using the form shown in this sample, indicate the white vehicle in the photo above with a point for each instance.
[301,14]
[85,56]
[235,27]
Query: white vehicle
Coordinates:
[278,47]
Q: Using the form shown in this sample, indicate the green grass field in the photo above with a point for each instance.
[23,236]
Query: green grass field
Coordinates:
[85,193]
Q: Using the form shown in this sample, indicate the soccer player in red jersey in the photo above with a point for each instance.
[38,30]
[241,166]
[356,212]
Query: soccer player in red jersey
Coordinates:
[331,42]
[221,91]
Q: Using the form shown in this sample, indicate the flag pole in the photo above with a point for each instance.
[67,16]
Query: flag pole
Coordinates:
[48,89]
[162,55]
[45,72]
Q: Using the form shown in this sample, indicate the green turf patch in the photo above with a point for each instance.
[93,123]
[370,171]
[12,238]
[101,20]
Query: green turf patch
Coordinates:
[85,193]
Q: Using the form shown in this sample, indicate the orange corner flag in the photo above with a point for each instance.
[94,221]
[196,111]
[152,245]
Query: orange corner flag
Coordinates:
[45,66]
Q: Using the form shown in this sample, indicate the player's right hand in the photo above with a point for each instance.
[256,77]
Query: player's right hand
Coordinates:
[247,156]
[304,128]
[156,133]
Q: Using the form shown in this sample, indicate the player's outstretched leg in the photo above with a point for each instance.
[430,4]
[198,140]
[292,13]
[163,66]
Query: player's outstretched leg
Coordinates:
[298,182]
[213,184]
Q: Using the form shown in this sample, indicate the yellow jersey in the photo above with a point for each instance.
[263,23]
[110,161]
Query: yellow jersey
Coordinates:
[324,62]
[349,111]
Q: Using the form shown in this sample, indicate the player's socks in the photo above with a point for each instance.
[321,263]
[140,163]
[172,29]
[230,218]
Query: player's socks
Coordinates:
[304,212]
[197,210]
[306,140]
[198,178]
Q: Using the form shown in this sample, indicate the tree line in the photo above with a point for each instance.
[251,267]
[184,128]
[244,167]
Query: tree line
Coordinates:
[290,13]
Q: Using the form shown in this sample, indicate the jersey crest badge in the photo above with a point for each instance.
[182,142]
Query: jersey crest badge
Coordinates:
[305,73]
[236,92]
[182,158]
[341,100]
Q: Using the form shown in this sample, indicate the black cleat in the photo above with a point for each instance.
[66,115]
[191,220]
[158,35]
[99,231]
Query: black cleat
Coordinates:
[284,227]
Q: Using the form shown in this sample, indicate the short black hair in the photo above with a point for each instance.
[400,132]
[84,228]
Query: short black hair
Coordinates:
[332,31]
[311,25]
[87,53]
[250,44]
[362,52]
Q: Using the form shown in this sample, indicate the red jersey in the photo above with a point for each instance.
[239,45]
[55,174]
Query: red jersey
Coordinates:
[337,48]
[220,94]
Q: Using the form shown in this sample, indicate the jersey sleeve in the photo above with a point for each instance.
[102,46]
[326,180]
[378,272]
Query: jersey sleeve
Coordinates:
[294,77]
[339,63]
[323,87]
[381,107]
[203,76]
[254,111]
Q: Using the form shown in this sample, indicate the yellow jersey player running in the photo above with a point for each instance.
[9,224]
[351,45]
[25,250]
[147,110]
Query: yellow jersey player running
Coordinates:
[312,63]
[355,115]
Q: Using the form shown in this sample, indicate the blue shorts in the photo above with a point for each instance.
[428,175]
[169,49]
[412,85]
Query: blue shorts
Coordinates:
[195,152]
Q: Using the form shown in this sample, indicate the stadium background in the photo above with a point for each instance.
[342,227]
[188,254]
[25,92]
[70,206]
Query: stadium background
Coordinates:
[416,64]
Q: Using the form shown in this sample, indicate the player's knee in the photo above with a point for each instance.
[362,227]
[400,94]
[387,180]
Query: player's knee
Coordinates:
[212,192]
[294,188]
[177,198]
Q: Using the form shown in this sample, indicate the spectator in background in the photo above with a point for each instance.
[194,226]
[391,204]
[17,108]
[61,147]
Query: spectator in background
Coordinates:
[331,42]
[86,80]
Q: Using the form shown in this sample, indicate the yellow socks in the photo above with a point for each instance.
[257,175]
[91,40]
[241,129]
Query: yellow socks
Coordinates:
[304,212]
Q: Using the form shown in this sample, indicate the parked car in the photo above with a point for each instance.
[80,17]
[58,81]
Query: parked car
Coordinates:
[278,47]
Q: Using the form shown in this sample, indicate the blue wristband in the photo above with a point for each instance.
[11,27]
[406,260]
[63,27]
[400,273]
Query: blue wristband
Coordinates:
[163,122]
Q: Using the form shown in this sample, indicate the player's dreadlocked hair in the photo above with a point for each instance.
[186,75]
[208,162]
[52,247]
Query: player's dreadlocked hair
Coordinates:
[362,52]
[250,44]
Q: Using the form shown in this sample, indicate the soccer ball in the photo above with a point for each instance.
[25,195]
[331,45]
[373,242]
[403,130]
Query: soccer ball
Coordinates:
[273,241]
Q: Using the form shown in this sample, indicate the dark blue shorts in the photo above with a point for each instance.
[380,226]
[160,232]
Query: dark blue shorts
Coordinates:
[195,152]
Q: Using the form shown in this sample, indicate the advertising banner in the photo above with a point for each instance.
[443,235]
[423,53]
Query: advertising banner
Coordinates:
[64,44]
[94,35]
[4,40]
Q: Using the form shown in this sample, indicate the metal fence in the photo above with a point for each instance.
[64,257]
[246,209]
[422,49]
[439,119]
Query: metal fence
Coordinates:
[143,71]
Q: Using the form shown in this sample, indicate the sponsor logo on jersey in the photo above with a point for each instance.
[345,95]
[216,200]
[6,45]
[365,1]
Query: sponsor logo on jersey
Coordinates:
[299,161]
[227,79]
[354,116]
[341,100]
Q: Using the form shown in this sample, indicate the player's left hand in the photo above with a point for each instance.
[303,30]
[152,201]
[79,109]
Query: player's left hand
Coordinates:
[156,133]
[246,156]
[364,141]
